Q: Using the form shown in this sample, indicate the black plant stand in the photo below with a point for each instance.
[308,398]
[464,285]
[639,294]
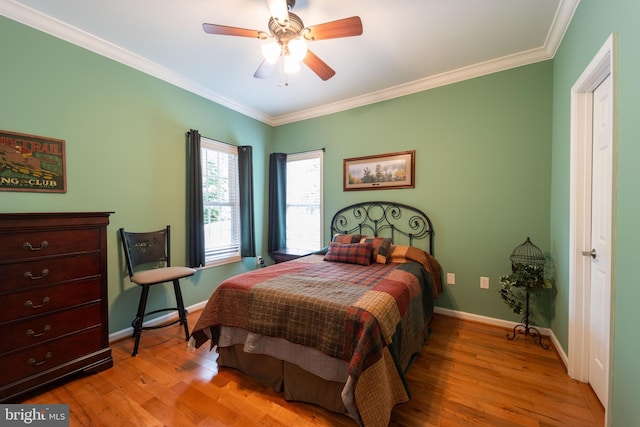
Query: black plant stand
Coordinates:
[527,329]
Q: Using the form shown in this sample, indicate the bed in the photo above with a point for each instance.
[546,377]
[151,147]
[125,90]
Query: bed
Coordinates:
[338,328]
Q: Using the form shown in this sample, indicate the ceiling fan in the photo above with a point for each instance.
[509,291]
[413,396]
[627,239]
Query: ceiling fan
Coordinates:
[290,39]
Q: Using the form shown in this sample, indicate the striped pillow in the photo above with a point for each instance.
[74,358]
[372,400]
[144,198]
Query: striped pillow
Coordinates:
[350,253]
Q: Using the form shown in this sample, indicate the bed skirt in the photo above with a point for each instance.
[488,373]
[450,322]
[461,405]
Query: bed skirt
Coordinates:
[295,383]
[304,375]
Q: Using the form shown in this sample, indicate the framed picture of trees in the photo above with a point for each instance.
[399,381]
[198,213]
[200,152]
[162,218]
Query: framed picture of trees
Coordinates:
[380,172]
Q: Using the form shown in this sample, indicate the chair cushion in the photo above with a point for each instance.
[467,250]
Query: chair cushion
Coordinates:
[161,275]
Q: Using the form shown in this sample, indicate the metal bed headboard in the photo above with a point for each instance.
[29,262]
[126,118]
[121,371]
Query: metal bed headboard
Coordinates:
[402,223]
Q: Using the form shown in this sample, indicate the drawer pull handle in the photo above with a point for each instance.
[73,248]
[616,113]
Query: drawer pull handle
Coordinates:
[29,304]
[43,244]
[29,275]
[32,361]
[46,329]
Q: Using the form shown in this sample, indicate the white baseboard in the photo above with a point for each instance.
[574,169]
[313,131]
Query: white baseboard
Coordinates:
[504,324]
[126,333]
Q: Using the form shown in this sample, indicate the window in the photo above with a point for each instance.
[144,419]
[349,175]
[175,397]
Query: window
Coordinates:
[304,200]
[221,202]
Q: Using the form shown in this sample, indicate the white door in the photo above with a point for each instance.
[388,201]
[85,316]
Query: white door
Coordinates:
[600,296]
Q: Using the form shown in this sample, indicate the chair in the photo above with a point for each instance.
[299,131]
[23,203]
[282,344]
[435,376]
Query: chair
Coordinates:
[151,250]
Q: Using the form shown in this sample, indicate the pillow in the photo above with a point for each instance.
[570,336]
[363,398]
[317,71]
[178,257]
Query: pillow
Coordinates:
[381,248]
[346,238]
[322,251]
[350,253]
[401,254]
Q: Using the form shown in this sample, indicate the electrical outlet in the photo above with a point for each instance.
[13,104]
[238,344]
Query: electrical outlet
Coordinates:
[484,282]
[259,261]
[451,279]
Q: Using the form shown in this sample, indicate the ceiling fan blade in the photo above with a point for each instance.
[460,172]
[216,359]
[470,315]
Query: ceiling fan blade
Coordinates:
[224,30]
[346,27]
[279,10]
[264,70]
[318,66]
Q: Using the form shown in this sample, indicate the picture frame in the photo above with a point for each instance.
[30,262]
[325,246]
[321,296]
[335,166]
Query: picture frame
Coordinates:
[380,172]
[32,163]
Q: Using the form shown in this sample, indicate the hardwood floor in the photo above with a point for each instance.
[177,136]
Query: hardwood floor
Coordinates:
[468,374]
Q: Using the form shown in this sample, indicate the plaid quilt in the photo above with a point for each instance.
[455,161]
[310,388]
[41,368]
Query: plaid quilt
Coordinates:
[352,312]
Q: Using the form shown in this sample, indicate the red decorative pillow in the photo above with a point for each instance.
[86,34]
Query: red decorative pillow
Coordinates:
[351,253]
[381,248]
[347,238]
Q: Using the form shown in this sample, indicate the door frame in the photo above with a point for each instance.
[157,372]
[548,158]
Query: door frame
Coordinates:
[601,66]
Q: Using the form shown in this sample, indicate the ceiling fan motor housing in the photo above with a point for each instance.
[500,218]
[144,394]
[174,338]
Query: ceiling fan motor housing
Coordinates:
[291,29]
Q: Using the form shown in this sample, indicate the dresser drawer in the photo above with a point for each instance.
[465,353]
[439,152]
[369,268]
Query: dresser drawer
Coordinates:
[34,331]
[53,299]
[44,300]
[42,272]
[31,244]
[34,360]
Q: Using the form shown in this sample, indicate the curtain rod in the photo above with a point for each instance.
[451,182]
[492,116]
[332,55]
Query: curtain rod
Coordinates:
[212,139]
[234,145]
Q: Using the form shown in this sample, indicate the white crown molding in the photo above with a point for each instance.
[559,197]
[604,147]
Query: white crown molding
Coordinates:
[443,79]
[61,30]
[562,19]
[78,37]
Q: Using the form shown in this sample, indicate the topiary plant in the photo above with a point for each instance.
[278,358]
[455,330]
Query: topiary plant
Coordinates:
[525,279]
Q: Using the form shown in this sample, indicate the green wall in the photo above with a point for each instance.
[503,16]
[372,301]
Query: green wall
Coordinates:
[125,146]
[592,24]
[482,159]
[492,163]
[483,162]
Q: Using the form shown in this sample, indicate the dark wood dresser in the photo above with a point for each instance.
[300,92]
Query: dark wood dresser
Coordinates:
[53,299]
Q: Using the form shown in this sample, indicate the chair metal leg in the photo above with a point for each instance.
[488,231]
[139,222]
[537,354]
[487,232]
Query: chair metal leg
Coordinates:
[181,311]
[139,320]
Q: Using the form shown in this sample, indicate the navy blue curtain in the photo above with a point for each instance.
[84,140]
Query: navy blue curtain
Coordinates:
[195,212]
[245,172]
[277,233]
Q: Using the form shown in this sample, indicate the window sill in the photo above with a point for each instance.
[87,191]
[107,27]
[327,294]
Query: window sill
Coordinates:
[219,262]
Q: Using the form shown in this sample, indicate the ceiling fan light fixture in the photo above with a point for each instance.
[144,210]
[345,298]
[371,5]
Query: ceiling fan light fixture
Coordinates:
[279,11]
[291,65]
[271,52]
[297,49]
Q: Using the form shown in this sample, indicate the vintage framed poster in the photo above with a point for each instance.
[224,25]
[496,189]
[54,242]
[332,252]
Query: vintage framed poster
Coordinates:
[32,163]
[380,172]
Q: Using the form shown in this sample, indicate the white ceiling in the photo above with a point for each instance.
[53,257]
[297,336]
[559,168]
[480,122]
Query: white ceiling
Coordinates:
[406,46]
